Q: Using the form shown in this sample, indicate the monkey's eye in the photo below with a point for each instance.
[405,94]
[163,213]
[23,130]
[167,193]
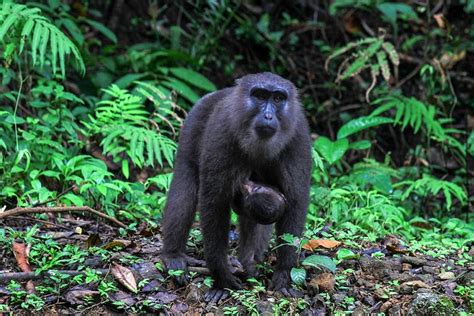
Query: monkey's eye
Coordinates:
[279,97]
[260,94]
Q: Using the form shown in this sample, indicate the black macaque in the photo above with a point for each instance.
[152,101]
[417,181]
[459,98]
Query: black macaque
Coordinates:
[265,204]
[254,130]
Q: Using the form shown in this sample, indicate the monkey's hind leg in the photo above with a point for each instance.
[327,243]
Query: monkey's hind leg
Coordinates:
[253,243]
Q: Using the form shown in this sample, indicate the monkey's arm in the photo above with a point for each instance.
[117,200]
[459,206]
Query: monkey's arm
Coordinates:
[215,196]
[296,181]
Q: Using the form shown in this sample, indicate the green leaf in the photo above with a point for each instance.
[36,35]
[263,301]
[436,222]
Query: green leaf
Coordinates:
[126,80]
[318,261]
[36,39]
[74,30]
[125,168]
[102,29]
[331,151]
[361,123]
[183,89]
[391,10]
[194,78]
[74,199]
[346,254]
[298,275]
[360,145]
[6,24]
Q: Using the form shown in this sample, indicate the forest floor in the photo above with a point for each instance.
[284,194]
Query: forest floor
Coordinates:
[380,277]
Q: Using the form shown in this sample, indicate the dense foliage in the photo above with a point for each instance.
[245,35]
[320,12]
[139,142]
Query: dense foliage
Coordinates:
[91,107]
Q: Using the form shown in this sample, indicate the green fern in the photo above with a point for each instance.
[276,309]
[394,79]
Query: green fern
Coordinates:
[416,114]
[429,185]
[36,29]
[125,127]
[371,53]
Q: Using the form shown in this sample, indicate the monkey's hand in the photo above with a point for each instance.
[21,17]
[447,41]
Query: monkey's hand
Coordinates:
[281,283]
[219,292]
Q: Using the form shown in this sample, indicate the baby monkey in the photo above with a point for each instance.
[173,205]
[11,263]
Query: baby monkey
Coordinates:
[264,203]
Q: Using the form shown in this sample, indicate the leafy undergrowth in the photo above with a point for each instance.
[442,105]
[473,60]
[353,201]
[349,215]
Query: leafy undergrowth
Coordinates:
[85,266]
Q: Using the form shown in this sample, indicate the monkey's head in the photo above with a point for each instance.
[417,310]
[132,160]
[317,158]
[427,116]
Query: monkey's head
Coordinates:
[264,203]
[266,108]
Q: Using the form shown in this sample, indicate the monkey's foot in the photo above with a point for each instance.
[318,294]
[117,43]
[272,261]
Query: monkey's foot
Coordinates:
[281,283]
[213,296]
[180,262]
[220,291]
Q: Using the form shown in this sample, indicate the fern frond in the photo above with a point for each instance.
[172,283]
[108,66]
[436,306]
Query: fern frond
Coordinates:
[429,185]
[38,30]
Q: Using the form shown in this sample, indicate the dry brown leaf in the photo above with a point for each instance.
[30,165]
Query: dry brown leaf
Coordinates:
[313,244]
[441,20]
[124,276]
[20,250]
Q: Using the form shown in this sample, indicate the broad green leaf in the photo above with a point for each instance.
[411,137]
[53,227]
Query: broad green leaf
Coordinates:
[360,145]
[126,80]
[298,275]
[102,29]
[361,123]
[183,89]
[331,151]
[193,77]
[319,261]
[74,199]
[346,254]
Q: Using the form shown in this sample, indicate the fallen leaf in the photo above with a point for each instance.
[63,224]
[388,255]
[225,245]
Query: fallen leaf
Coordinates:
[78,296]
[125,277]
[122,243]
[20,250]
[446,275]
[441,20]
[313,244]
[121,296]
[324,282]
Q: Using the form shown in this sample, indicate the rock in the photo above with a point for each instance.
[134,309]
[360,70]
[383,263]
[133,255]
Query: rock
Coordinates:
[323,282]
[380,294]
[410,286]
[193,294]
[428,269]
[406,266]
[377,268]
[446,275]
[414,261]
[467,278]
[338,297]
[430,304]
[265,308]
[395,310]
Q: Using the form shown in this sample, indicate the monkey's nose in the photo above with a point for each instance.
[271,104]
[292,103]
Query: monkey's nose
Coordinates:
[268,116]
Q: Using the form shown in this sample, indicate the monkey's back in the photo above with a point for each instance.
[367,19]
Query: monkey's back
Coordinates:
[190,140]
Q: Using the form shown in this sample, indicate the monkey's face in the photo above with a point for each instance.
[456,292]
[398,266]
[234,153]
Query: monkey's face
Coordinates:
[268,103]
[263,114]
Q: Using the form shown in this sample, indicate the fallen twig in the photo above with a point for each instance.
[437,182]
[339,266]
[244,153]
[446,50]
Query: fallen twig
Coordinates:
[24,276]
[27,210]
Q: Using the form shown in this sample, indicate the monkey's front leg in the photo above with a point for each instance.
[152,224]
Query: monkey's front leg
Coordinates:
[215,218]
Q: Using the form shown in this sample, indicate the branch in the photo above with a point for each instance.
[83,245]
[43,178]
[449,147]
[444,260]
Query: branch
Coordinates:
[26,276]
[28,210]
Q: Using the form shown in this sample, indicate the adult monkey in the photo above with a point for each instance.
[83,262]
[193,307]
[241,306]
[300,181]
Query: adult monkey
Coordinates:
[255,130]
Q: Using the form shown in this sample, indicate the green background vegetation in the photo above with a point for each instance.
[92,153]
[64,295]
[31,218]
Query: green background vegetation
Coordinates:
[93,95]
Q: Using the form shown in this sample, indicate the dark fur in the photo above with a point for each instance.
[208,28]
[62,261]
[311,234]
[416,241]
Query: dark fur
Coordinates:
[218,151]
